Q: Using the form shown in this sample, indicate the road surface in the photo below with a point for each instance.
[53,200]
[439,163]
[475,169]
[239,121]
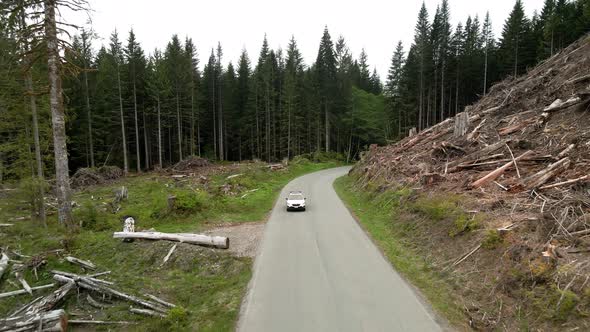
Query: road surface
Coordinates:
[318,271]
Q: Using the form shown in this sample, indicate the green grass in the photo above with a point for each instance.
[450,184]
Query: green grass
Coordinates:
[380,215]
[208,285]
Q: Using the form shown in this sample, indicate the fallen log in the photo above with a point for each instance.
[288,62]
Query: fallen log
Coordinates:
[19,277]
[89,285]
[85,264]
[95,303]
[3,264]
[100,322]
[78,277]
[480,153]
[48,302]
[160,301]
[147,312]
[538,179]
[497,172]
[22,291]
[54,321]
[564,183]
[514,128]
[6,225]
[558,104]
[22,309]
[213,241]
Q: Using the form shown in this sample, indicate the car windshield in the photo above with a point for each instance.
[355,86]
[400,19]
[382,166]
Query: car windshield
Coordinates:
[296,196]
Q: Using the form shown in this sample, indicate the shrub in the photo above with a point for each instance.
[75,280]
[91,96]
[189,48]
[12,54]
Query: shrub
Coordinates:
[464,224]
[492,239]
[187,202]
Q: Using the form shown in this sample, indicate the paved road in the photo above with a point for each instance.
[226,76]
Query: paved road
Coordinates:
[318,271]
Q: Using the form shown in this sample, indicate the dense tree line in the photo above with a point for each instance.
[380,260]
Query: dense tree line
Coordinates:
[447,68]
[67,103]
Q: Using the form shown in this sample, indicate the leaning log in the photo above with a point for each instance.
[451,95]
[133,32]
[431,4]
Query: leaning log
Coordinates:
[77,277]
[200,239]
[22,291]
[497,172]
[558,104]
[54,321]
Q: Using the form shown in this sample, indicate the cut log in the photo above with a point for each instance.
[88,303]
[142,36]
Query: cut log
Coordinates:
[476,155]
[101,289]
[160,301]
[19,277]
[559,104]
[497,172]
[516,127]
[233,176]
[212,241]
[77,277]
[461,124]
[85,264]
[22,291]
[147,312]
[538,179]
[54,321]
[3,264]
[565,183]
[51,300]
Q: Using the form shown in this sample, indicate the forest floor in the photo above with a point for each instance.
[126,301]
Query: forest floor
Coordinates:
[206,284]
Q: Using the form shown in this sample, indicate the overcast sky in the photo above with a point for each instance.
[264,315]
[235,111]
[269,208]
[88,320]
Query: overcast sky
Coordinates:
[370,24]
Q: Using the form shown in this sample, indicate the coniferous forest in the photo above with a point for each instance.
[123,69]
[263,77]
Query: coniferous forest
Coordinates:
[144,109]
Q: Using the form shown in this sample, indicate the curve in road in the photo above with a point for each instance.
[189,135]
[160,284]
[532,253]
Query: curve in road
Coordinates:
[318,271]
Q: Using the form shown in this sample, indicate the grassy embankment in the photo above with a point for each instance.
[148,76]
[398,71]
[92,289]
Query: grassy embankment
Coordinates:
[383,216]
[207,284]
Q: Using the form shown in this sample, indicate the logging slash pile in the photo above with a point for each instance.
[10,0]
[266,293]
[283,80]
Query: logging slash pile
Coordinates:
[521,157]
[85,177]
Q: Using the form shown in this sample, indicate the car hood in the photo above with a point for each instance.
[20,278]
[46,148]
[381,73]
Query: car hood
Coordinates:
[296,201]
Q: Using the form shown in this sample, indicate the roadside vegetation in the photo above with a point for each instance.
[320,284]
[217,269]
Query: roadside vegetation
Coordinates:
[206,284]
[473,274]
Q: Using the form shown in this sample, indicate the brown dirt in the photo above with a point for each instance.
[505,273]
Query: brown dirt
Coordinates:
[500,288]
[244,237]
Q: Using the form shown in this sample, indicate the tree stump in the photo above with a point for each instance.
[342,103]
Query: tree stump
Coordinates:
[461,123]
[412,132]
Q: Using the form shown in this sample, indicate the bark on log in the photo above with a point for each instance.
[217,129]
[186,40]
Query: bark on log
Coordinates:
[212,241]
[514,128]
[472,134]
[538,179]
[566,151]
[3,264]
[169,254]
[83,263]
[480,153]
[497,172]
[22,291]
[412,132]
[51,321]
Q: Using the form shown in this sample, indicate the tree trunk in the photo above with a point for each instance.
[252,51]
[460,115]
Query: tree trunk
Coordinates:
[136,125]
[55,321]
[159,135]
[145,141]
[327,125]
[192,133]
[123,135]
[220,123]
[88,110]
[62,177]
[39,161]
[178,122]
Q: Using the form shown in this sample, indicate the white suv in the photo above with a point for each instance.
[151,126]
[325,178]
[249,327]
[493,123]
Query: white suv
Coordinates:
[295,201]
